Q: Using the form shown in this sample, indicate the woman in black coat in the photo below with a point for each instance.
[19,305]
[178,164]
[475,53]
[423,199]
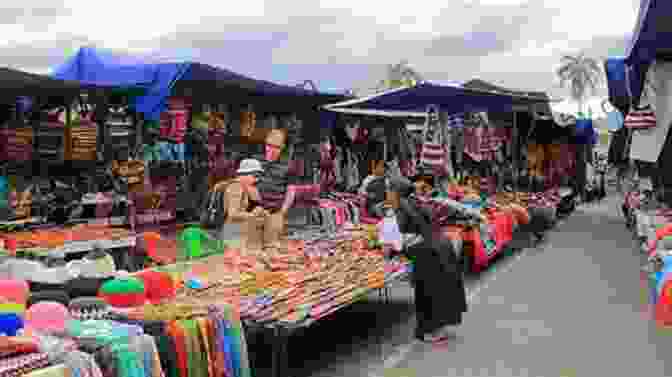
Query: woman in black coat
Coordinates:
[440,297]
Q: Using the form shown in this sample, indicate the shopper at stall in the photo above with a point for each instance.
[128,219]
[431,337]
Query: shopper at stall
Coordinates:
[242,204]
[440,298]
[376,171]
[373,187]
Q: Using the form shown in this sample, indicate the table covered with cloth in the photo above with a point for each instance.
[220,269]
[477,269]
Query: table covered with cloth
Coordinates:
[304,280]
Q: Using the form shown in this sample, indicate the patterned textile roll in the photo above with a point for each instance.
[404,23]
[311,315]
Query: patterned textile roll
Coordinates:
[59,296]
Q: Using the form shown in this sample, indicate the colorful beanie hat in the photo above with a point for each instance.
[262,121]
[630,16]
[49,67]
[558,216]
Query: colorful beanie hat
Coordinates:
[123,292]
[10,324]
[47,316]
[158,285]
[13,296]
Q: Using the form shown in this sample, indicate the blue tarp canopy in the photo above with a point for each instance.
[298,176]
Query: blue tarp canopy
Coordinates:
[98,67]
[451,98]
[621,83]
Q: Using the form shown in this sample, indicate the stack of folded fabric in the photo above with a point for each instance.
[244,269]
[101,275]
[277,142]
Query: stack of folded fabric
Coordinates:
[18,143]
[50,141]
[83,142]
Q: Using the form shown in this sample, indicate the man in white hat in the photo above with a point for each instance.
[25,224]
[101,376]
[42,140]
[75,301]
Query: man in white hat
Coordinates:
[242,206]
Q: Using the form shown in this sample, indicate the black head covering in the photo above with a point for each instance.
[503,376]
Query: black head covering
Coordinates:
[401,185]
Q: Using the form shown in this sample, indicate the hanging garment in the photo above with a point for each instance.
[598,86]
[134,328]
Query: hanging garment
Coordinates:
[646,145]
[407,157]
[433,154]
[327,174]
[447,135]
[458,141]
[619,146]
[473,134]
[338,166]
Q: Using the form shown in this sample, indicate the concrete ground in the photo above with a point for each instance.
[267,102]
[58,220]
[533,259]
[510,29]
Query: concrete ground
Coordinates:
[575,306]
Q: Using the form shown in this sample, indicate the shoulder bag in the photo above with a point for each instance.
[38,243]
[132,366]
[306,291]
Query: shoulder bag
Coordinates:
[640,119]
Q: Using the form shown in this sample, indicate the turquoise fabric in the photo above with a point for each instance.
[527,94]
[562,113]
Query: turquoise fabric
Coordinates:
[4,192]
[151,153]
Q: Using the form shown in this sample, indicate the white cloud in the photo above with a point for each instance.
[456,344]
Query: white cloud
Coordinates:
[124,23]
[517,42]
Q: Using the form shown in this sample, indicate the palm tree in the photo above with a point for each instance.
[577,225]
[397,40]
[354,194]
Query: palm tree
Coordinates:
[580,74]
[400,74]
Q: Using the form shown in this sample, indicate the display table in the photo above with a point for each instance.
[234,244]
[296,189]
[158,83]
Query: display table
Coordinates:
[290,289]
[73,242]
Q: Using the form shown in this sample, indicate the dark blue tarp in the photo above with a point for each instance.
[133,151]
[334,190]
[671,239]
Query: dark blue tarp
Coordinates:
[91,66]
[452,99]
[205,73]
[652,32]
[618,81]
[97,67]
[652,36]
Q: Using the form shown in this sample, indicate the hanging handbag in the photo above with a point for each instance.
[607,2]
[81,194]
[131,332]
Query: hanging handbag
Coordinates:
[640,119]
[356,133]
[248,123]
[131,171]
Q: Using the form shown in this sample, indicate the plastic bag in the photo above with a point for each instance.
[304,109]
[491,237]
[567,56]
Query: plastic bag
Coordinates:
[388,230]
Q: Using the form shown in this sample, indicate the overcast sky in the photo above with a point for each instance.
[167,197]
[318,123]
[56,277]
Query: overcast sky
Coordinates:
[339,44]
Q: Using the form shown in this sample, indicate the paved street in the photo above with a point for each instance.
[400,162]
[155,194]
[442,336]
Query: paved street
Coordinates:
[572,307]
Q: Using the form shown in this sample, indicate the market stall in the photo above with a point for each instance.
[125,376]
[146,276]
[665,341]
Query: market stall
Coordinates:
[479,150]
[640,86]
[204,115]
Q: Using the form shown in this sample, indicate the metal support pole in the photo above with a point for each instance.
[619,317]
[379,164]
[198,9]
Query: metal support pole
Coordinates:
[280,359]
[515,152]
[526,141]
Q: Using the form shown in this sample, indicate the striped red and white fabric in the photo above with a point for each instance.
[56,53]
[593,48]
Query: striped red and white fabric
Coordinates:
[640,119]
[433,155]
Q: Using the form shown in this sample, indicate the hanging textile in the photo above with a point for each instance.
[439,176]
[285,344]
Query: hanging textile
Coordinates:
[196,340]
[614,117]
[406,153]
[434,151]
[473,136]
[327,156]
